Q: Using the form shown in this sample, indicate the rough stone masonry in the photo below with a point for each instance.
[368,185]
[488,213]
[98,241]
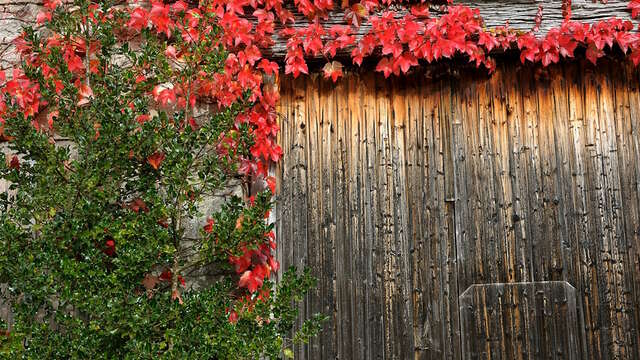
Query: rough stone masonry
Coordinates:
[14,15]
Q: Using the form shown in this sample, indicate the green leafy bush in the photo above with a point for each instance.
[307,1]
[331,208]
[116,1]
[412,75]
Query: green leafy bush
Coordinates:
[111,157]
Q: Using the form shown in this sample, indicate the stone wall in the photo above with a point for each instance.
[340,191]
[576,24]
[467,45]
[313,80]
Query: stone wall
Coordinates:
[14,15]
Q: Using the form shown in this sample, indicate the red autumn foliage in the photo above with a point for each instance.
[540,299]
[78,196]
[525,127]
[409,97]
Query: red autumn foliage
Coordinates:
[137,205]
[166,275]
[332,70]
[156,159]
[209,227]
[109,248]
[14,163]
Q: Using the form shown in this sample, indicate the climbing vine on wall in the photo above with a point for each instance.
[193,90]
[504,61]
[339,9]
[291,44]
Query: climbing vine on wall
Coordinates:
[122,123]
[135,76]
[402,35]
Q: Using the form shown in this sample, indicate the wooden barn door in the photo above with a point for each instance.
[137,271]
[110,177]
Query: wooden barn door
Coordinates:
[401,194]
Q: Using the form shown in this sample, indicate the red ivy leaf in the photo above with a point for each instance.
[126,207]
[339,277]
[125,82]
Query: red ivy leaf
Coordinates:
[110,248]
[43,16]
[593,53]
[332,70]
[163,222]
[295,63]
[179,6]
[141,119]
[253,279]
[405,62]
[269,67]
[85,94]
[625,39]
[634,5]
[274,264]
[193,124]
[487,40]
[164,94]
[271,183]
[385,66]
[567,45]
[529,47]
[149,281]
[233,317]
[138,205]
[355,13]
[170,52]
[159,16]
[138,19]
[165,275]
[175,294]
[14,163]
[209,227]
[155,159]
[420,11]
[249,281]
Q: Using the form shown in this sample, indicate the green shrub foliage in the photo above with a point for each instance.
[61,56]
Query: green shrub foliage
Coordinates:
[110,156]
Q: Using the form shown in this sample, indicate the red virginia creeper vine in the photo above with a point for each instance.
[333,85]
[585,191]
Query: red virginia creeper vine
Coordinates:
[402,36]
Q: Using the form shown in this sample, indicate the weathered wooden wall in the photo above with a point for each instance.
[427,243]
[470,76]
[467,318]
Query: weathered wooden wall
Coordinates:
[402,193]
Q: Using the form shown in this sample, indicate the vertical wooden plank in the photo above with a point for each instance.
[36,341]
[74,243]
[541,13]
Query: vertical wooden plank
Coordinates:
[505,179]
[440,299]
[533,218]
[389,260]
[356,209]
[300,256]
[468,261]
[565,266]
[283,168]
[327,219]
[565,244]
[579,225]
[601,288]
[445,176]
[375,253]
[629,122]
[343,257]
[403,308]
[614,247]
[517,150]
[414,184]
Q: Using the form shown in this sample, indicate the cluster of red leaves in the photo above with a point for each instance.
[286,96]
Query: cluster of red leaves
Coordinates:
[255,264]
[404,40]
[562,42]
[26,94]
[167,276]
[244,70]
[23,92]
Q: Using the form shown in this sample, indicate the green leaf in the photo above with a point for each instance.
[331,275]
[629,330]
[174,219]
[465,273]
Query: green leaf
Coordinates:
[288,353]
